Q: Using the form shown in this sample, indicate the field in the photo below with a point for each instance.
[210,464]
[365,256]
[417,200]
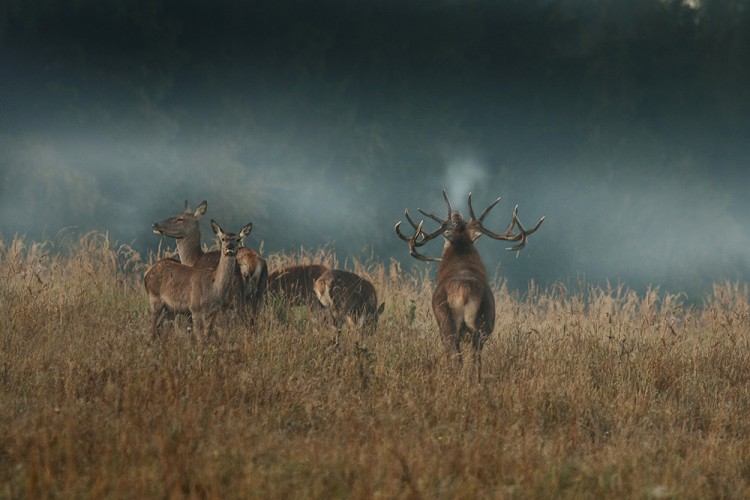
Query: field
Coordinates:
[588,392]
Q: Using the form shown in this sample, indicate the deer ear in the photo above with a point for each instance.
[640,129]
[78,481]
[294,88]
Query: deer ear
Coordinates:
[245,231]
[201,209]
[187,207]
[216,227]
[474,235]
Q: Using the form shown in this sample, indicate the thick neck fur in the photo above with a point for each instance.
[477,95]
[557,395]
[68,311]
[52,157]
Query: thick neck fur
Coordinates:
[461,254]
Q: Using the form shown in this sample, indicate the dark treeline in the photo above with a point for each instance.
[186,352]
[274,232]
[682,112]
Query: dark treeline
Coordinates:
[625,123]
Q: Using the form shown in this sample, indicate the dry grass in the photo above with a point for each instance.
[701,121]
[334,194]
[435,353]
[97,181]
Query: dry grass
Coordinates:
[587,393]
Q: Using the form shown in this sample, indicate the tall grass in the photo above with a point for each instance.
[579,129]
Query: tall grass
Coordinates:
[588,392]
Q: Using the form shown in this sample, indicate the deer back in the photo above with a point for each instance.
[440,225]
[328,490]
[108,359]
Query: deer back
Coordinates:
[462,292]
[295,284]
[178,286]
[349,295]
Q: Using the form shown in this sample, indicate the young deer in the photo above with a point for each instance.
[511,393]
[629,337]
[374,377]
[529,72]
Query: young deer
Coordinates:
[463,302]
[176,288]
[251,273]
[295,285]
[350,298]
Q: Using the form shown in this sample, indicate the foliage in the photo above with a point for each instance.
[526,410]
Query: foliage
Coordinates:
[588,392]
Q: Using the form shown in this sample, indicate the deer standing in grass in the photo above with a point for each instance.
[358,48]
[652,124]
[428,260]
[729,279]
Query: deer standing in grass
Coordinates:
[350,298]
[463,302]
[251,274]
[295,285]
[176,288]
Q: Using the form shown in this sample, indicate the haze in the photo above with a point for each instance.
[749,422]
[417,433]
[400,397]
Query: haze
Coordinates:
[626,124]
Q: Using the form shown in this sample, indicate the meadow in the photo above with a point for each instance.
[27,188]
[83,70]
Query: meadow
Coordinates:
[588,392]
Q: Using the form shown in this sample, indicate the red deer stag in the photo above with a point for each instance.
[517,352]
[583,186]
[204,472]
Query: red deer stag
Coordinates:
[251,267]
[295,285]
[179,289]
[463,301]
[350,299]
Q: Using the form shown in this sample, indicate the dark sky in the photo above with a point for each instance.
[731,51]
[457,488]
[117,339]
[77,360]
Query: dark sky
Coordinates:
[626,124]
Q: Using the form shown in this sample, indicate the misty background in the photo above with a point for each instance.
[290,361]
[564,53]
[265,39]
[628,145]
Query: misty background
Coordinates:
[626,124]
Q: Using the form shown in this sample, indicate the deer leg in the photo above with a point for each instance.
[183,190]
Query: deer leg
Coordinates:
[477,342]
[157,311]
[239,303]
[250,313]
[208,326]
[449,327]
[452,343]
[198,325]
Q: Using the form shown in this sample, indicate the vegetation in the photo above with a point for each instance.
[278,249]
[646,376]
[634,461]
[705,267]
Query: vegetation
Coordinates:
[587,392]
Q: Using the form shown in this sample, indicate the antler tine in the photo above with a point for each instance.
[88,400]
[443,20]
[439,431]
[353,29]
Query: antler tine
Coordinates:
[532,230]
[450,210]
[413,243]
[513,219]
[401,235]
[435,217]
[505,236]
[485,212]
[523,234]
[431,216]
[408,218]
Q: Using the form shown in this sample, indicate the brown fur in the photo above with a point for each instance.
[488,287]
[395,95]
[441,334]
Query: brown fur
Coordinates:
[463,302]
[177,288]
[295,284]
[251,271]
[350,298]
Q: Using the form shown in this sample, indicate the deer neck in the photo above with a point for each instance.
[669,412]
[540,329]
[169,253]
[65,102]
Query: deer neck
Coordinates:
[224,272]
[463,248]
[189,248]
[464,254]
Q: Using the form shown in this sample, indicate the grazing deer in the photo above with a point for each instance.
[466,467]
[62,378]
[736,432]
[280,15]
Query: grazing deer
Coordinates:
[251,274]
[176,288]
[463,301]
[350,298]
[295,285]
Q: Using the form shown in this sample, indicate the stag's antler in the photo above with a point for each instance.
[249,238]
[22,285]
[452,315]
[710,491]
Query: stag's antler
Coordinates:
[436,218]
[522,234]
[415,241]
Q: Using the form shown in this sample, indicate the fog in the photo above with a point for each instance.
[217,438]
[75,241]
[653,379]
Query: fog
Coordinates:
[626,127]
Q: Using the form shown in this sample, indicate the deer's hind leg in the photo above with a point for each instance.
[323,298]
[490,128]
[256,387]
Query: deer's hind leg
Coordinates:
[478,337]
[158,313]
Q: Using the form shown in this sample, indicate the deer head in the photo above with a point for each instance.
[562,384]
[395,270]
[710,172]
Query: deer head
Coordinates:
[182,225]
[459,232]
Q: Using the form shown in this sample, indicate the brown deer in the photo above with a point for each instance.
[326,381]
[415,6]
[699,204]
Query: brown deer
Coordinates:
[463,302]
[251,274]
[179,289]
[295,285]
[350,299]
